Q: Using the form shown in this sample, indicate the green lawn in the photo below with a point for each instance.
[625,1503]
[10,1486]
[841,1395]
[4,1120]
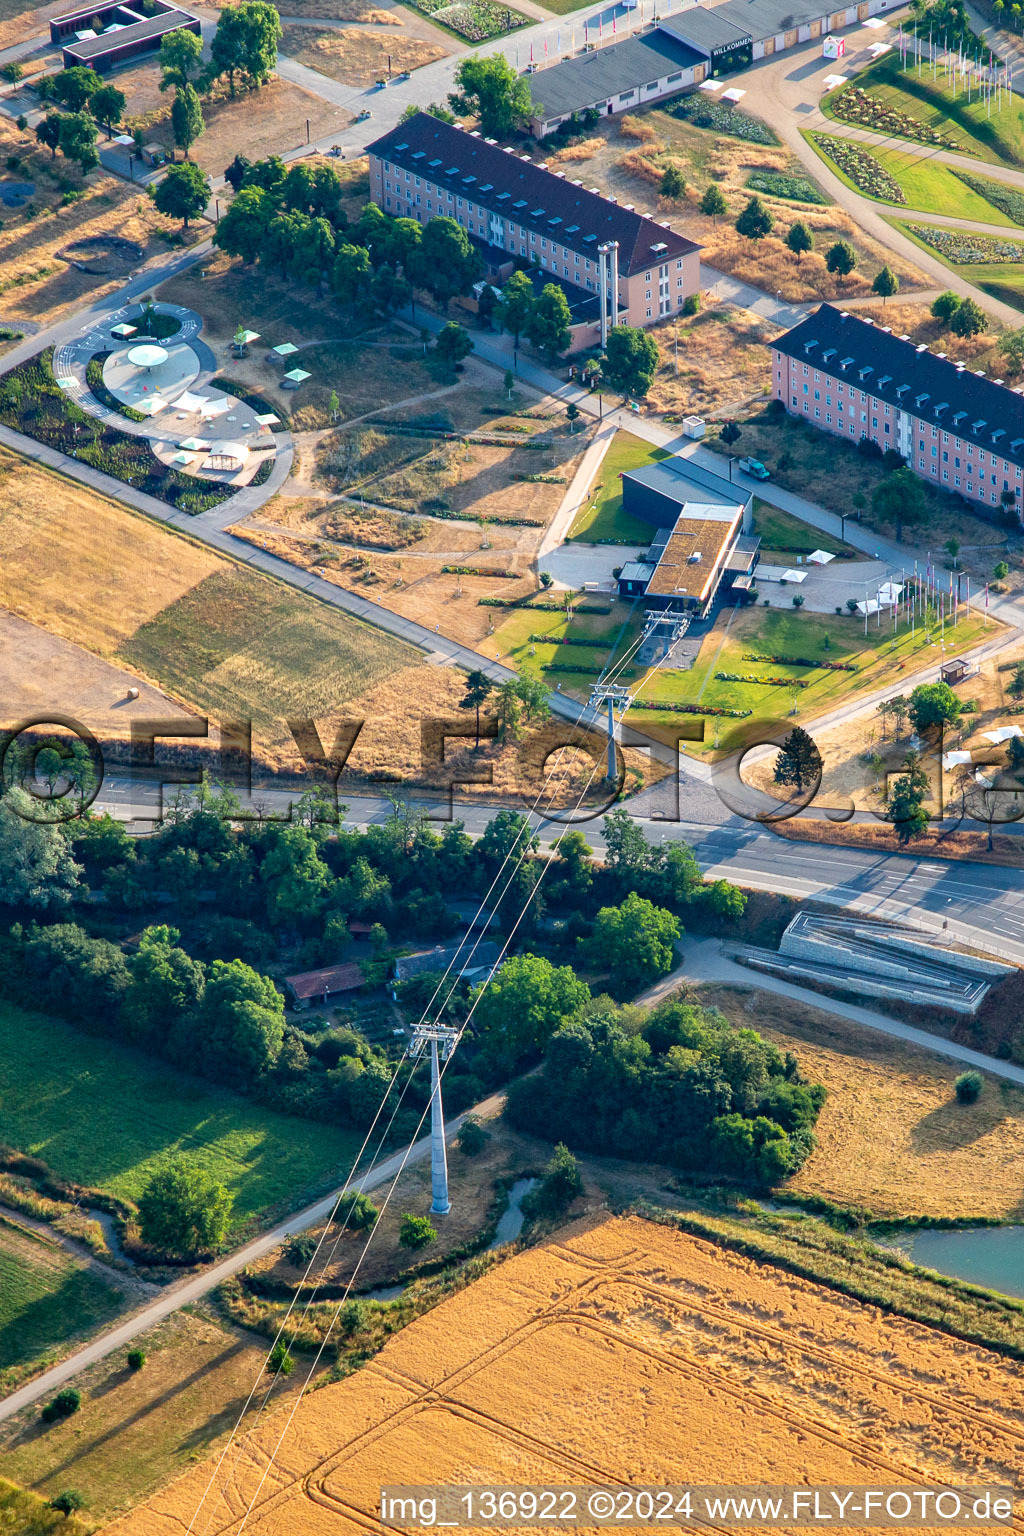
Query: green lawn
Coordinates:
[26,1514]
[618,629]
[782,531]
[603,517]
[929,186]
[46,1297]
[999,138]
[104,1115]
[782,630]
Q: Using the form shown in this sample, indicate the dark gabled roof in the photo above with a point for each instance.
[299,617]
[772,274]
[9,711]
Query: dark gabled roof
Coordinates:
[929,387]
[707,29]
[497,179]
[460,957]
[322,983]
[592,77]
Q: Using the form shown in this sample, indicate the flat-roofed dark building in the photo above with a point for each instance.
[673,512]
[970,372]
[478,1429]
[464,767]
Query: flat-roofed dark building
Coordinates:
[127,32]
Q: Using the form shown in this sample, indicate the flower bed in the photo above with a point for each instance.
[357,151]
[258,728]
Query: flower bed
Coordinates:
[797,189]
[1007,199]
[99,390]
[475,20]
[694,709]
[478,570]
[578,667]
[801,661]
[715,114]
[769,682]
[31,401]
[861,168]
[853,105]
[963,249]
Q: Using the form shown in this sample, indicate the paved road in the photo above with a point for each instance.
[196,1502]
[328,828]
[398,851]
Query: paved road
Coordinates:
[706,961]
[177,1296]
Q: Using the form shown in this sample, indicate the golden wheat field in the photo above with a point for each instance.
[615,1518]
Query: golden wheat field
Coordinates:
[621,1351]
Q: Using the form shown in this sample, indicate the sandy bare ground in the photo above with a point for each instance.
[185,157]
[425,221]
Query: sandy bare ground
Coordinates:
[622,1349]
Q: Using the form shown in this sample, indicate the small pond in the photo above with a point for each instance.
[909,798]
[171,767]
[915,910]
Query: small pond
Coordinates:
[992,1257]
[15,194]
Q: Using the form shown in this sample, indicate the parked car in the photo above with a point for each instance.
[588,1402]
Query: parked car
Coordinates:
[755,468]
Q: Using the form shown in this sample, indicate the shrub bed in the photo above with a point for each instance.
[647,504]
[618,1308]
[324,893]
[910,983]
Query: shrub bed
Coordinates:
[31,401]
[853,105]
[481,570]
[796,188]
[695,709]
[964,249]
[1007,199]
[568,640]
[715,114]
[801,661]
[94,379]
[769,682]
[861,168]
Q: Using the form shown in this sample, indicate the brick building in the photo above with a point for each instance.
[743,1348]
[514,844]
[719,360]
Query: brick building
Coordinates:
[958,429]
[615,265]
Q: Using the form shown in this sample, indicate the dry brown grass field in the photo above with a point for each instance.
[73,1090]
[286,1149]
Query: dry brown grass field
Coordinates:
[892,1138]
[20,20]
[357,55]
[35,283]
[724,363]
[622,1348]
[626,157]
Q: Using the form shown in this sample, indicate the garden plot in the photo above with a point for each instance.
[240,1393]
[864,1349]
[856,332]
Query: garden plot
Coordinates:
[475,21]
[357,55]
[621,1343]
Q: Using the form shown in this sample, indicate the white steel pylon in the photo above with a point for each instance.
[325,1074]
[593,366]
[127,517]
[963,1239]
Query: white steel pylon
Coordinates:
[442,1041]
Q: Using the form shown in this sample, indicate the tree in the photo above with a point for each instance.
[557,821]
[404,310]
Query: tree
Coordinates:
[508,382]
[236,171]
[519,1010]
[350,274]
[186,117]
[243,228]
[242,1020]
[416,1231]
[952,548]
[478,689]
[841,258]
[73,87]
[898,706]
[945,306]
[560,1184]
[446,262]
[245,43]
[933,704]
[673,182]
[906,800]
[1011,346]
[885,284]
[184,193]
[67,1502]
[183,1212]
[572,416]
[67,1402]
[798,762]
[48,132]
[899,499]
[713,203]
[799,239]
[78,140]
[107,106]
[968,1087]
[1017,681]
[356,1212]
[968,320]
[472,1137]
[136,1359]
[1000,570]
[631,359]
[167,986]
[453,344]
[491,91]
[729,433]
[634,941]
[516,305]
[37,869]
[180,57]
[550,323]
[755,221]
[279,1361]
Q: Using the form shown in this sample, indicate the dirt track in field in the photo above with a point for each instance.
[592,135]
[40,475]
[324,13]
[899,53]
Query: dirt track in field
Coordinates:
[622,1352]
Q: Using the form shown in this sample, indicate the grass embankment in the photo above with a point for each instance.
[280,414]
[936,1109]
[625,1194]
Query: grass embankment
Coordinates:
[26,1514]
[998,138]
[927,185]
[856,1268]
[616,630]
[603,518]
[103,1115]
[779,631]
[46,1297]
[783,533]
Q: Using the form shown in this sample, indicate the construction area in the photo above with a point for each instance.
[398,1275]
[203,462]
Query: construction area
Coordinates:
[878,960]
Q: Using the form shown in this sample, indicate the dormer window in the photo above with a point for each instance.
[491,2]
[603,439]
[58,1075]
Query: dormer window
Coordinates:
[958,417]
[884,380]
[920,399]
[976,426]
[901,389]
[1000,432]
[862,373]
[845,362]
[829,352]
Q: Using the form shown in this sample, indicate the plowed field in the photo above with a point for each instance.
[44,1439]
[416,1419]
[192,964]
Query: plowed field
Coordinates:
[622,1352]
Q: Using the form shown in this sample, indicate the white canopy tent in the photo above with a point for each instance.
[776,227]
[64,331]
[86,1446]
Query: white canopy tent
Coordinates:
[1004,733]
[819,557]
[954,759]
